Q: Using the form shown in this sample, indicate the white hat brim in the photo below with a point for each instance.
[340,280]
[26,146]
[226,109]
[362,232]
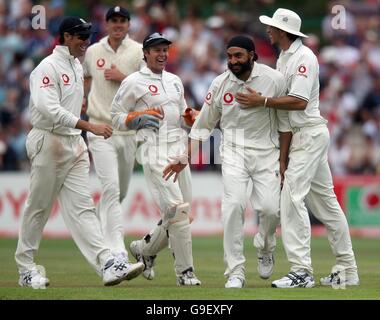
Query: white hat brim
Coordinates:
[270,22]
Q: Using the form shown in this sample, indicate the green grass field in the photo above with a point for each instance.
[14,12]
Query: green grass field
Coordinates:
[72,278]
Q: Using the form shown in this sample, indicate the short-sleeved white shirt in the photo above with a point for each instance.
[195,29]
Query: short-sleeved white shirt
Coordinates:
[145,90]
[300,67]
[128,59]
[253,127]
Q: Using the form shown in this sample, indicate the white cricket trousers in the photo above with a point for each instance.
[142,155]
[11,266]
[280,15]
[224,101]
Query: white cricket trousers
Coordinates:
[168,195]
[308,178]
[59,169]
[114,159]
[239,166]
[154,158]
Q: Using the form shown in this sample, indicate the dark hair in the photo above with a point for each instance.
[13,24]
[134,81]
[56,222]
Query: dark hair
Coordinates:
[61,39]
[145,49]
[73,25]
[292,37]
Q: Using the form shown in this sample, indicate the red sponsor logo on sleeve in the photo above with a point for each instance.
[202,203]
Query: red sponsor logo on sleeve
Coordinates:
[46,82]
[208,98]
[302,69]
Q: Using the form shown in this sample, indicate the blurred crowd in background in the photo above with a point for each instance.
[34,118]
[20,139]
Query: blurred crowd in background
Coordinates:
[349,63]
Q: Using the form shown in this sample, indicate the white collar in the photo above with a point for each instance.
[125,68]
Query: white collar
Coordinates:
[104,42]
[145,70]
[293,47]
[254,73]
[63,51]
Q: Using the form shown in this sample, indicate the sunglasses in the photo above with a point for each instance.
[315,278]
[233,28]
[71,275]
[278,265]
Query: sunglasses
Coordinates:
[82,26]
[83,37]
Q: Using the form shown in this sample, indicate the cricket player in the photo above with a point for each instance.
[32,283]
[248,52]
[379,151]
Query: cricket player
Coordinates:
[106,64]
[151,101]
[253,142]
[60,163]
[308,177]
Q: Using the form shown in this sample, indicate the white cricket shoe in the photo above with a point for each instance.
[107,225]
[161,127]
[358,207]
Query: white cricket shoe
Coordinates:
[33,279]
[148,261]
[340,278]
[295,280]
[234,282]
[119,269]
[188,278]
[265,264]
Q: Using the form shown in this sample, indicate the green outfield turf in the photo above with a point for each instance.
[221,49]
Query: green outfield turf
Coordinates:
[72,278]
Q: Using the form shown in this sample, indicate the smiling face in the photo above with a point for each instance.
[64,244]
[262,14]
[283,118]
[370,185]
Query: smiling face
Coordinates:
[239,61]
[156,57]
[77,44]
[117,27]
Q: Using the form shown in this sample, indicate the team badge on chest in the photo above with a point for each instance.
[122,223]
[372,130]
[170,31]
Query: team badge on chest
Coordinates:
[66,79]
[153,89]
[228,98]
[100,63]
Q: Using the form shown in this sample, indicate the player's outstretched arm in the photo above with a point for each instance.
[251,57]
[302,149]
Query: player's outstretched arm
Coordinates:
[177,164]
[104,130]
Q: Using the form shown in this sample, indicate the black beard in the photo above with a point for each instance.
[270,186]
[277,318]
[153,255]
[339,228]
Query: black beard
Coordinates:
[246,66]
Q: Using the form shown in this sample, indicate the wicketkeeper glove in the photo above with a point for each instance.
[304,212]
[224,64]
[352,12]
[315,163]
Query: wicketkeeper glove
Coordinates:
[144,119]
[189,116]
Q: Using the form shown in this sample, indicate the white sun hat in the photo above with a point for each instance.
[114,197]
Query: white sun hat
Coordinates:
[285,20]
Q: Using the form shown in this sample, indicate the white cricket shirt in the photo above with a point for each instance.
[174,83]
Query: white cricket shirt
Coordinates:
[144,90]
[300,67]
[56,93]
[128,59]
[253,127]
